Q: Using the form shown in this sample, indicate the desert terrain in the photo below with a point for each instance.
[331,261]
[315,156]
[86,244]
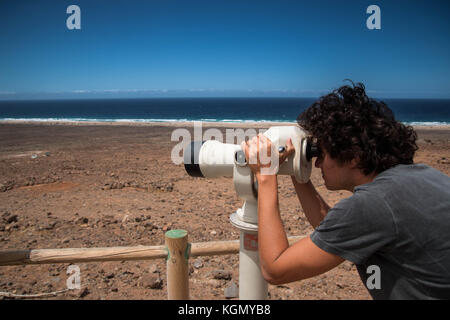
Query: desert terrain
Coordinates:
[79,185]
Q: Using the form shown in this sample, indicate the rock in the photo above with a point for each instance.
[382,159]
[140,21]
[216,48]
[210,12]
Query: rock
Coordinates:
[150,226]
[347,266]
[50,225]
[12,218]
[84,292]
[282,286]
[232,291]
[340,285]
[110,275]
[214,283]
[160,186]
[197,263]
[151,281]
[83,220]
[153,269]
[11,226]
[107,186]
[134,184]
[221,274]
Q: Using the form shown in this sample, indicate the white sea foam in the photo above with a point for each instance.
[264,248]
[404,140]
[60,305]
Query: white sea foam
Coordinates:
[428,123]
[137,120]
[416,123]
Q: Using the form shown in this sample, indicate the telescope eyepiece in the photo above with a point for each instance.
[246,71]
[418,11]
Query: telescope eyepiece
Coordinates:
[312,150]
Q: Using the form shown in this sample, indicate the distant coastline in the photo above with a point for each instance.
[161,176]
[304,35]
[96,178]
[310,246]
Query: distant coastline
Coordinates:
[220,124]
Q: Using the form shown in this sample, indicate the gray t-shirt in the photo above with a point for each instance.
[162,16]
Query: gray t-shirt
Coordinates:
[396,230]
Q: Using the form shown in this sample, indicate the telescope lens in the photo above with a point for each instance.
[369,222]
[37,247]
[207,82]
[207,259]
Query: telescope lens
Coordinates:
[191,154]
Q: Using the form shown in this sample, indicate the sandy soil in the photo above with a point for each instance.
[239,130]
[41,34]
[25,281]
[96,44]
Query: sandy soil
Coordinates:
[101,185]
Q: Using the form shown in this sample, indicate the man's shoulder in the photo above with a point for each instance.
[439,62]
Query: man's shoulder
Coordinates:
[410,170]
[362,205]
[403,187]
[403,176]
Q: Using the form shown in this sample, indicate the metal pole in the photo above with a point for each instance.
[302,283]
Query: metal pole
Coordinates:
[252,285]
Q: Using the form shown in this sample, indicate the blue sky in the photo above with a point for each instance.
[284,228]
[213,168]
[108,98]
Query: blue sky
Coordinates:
[222,48]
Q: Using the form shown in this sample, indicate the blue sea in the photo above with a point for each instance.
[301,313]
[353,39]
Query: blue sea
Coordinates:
[414,112]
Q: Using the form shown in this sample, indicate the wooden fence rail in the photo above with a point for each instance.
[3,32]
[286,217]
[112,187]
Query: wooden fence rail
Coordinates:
[177,251]
[74,255]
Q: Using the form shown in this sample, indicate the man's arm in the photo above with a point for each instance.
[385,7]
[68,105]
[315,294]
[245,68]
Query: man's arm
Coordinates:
[279,262]
[313,205]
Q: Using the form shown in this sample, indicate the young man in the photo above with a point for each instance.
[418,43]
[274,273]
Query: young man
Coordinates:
[396,223]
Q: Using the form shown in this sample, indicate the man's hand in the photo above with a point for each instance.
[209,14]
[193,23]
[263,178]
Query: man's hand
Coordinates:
[262,157]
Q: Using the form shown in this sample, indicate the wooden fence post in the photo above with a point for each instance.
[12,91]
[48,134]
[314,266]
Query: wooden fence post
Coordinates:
[177,264]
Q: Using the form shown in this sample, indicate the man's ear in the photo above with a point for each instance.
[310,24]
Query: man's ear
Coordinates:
[354,163]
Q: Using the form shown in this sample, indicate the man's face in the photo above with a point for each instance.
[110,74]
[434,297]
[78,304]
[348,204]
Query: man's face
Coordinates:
[336,176]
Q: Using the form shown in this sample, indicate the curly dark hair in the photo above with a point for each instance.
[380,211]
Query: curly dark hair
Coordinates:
[348,124]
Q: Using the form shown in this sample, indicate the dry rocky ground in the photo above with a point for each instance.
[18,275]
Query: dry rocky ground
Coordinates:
[79,186]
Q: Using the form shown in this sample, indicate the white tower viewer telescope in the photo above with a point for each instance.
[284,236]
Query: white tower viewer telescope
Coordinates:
[214,159]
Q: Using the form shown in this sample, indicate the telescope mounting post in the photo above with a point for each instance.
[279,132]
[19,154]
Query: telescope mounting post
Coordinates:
[252,285]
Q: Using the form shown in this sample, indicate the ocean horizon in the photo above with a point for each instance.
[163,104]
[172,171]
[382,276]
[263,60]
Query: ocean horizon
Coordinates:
[428,112]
